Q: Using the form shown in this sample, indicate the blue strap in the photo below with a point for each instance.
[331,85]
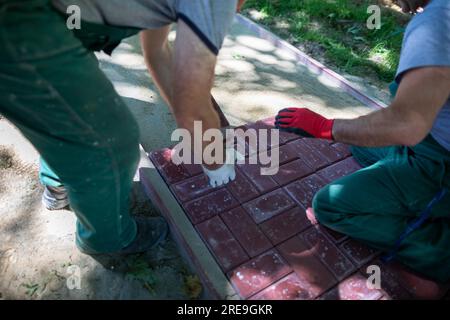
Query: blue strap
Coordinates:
[415,224]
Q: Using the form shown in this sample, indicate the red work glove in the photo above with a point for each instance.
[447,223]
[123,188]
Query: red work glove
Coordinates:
[305,123]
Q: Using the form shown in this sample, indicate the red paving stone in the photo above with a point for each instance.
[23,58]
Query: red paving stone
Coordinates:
[353,288]
[285,225]
[359,253]
[210,205]
[303,191]
[241,188]
[259,273]
[328,253]
[292,171]
[307,266]
[256,227]
[246,232]
[221,242]
[339,170]
[269,205]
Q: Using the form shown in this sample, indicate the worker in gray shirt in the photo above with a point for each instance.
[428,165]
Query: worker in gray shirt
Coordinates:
[52,89]
[400,202]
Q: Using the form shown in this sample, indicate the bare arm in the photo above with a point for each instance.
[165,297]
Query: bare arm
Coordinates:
[193,75]
[158,57]
[184,75]
[409,118]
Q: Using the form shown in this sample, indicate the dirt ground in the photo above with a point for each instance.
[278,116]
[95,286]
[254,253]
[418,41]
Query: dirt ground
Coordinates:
[38,258]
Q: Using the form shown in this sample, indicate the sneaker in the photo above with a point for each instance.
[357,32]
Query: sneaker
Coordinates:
[55,198]
[151,231]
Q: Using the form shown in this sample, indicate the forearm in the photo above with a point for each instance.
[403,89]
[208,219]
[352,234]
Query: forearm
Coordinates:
[159,60]
[381,128]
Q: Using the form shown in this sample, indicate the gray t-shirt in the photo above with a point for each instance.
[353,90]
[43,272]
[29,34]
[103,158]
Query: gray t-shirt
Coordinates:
[427,43]
[209,19]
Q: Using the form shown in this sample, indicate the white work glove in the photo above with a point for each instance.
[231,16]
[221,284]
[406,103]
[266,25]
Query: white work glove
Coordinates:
[225,173]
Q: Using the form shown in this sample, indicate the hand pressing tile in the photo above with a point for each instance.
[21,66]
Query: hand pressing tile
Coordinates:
[285,225]
[269,205]
[291,287]
[312,157]
[221,243]
[192,188]
[292,171]
[210,205]
[258,273]
[328,253]
[303,191]
[307,266]
[353,288]
[339,170]
[241,188]
[246,232]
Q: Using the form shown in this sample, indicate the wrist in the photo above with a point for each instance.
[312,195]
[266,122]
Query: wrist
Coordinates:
[327,129]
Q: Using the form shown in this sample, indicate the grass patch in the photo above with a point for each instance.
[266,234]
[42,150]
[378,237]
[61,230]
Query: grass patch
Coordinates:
[337,30]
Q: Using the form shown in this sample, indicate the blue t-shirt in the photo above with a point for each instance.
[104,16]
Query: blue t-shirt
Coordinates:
[427,43]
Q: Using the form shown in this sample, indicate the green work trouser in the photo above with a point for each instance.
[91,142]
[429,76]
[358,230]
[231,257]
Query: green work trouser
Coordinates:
[52,89]
[375,204]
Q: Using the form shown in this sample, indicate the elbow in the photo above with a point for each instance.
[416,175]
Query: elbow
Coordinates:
[414,131]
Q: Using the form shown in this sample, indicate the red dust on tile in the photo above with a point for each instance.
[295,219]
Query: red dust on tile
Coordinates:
[246,232]
[285,225]
[292,171]
[210,205]
[269,205]
[161,157]
[353,288]
[291,287]
[258,273]
[307,266]
[358,252]
[221,243]
[262,183]
[192,188]
[312,157]
[241,188]
[303,191]
[173,173]
[339,170]
[325,149]
[328,253]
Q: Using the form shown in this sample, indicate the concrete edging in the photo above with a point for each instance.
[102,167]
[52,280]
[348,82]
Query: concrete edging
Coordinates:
[193,248]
